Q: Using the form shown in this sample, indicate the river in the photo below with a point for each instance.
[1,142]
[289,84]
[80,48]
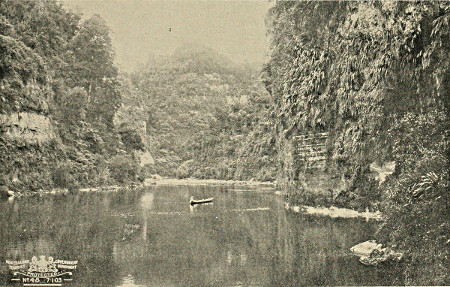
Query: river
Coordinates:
[153,237]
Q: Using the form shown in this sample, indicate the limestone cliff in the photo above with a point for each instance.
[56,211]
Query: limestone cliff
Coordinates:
[29,127]
[29,149]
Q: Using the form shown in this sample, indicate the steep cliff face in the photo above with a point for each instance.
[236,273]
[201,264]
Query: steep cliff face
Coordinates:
[30,149]
[133,133]
[59,92]
[29,127]
[29,146]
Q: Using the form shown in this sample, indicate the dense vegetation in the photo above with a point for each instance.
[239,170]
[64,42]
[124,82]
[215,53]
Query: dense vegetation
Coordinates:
[375,76]
[207,117]
[57,66]
[199,114]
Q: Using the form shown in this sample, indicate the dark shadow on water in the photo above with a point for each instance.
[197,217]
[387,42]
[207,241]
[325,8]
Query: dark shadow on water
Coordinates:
[153,237]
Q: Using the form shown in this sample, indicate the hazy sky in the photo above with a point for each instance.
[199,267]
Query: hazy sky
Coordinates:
[142,27]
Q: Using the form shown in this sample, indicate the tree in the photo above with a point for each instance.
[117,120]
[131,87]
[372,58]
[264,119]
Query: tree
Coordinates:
[92,56]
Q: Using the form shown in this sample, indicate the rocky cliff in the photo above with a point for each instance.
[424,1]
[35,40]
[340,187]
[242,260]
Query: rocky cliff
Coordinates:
[29,127]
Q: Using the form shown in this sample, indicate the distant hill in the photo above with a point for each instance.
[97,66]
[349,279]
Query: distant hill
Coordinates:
[194,101]
[201,59]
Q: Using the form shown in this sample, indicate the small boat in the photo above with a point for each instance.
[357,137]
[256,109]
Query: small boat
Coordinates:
[200,201]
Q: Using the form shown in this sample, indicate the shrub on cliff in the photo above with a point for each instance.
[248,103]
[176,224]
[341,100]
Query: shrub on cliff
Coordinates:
[185,169]
[22,77]
[416,205]
[62,175]
[123,168]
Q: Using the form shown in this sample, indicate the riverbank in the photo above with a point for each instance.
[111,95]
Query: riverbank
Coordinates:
[194,181]
[55,191]
[334,212]
[155,180]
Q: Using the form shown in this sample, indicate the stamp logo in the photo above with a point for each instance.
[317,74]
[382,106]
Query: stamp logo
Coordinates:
[41,271]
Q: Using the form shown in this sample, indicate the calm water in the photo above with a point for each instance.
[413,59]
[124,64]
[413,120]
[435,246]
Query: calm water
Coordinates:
[152,237]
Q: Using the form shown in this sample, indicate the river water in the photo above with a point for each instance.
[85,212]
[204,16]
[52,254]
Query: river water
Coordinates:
[152,237]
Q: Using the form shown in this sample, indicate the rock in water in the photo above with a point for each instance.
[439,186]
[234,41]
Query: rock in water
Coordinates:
[366,248]
[371,253]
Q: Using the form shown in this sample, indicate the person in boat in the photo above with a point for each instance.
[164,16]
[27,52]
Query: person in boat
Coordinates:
[207,200]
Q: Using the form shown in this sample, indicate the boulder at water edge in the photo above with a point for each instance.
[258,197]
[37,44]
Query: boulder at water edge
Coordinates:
[372,253]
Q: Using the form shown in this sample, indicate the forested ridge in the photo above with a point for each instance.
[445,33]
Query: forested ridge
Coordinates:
[372,76]
[206,116]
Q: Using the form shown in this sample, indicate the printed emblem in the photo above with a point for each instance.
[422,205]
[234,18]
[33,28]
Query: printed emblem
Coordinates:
[41,271]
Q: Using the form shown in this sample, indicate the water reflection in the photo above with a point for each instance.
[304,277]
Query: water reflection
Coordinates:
[146,206]
[154,237]
[128,281]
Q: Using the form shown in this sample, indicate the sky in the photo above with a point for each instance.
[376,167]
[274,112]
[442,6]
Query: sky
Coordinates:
[157,27]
